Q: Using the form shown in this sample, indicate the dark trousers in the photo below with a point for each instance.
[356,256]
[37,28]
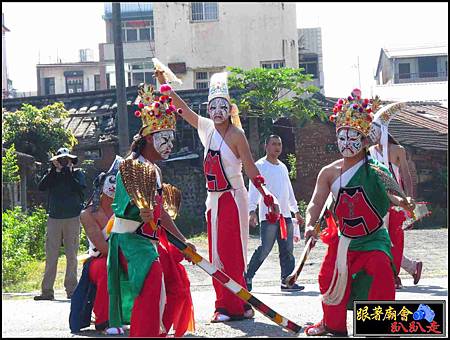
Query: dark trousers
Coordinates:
[270,233]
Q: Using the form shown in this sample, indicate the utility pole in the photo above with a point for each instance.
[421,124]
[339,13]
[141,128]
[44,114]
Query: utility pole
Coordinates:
[122,112]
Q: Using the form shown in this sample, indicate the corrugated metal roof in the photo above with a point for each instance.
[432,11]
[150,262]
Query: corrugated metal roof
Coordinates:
[423,126]
[416,51]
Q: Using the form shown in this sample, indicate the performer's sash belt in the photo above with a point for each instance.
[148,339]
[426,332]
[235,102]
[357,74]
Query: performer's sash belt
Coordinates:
[122,226]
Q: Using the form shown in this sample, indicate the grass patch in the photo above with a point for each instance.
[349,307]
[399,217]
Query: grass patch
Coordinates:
[34,275]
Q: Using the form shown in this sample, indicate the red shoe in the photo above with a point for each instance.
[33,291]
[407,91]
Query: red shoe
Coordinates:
[317,329]
[418,272]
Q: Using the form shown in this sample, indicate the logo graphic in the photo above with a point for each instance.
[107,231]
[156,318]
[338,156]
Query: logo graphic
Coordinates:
[399,318]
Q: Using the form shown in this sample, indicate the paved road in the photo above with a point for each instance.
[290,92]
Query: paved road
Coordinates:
[23,317]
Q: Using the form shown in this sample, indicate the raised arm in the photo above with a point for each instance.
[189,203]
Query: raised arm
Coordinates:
[188,115]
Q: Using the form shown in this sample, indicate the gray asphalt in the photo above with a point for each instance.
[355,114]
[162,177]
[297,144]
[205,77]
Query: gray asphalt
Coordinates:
[24,317]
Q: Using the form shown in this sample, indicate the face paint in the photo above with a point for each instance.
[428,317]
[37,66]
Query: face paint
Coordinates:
[375,133]
[219,110]
[109,187]
[163,143]
[349,142]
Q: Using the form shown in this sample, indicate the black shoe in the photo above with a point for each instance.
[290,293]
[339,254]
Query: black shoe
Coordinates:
[248,282]
[295,288]
[43,297]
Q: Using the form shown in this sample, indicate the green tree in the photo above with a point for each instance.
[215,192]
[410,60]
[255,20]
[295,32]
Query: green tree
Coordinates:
[274,93]
[37,132]
[10,172]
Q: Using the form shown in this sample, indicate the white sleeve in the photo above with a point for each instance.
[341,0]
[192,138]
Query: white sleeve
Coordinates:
[293,204]
[296,228]
[204,129]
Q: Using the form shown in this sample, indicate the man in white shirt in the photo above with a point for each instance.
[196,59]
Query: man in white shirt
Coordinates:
[278,183]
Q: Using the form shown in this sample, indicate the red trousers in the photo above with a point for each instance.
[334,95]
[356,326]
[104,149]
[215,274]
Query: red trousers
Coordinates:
[229,248]
[179,310]
[145,313]
[99,276]
[397,235]
[375,263]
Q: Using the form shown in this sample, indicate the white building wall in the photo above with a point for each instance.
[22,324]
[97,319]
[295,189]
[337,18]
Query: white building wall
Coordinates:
[57,72]
[244,35]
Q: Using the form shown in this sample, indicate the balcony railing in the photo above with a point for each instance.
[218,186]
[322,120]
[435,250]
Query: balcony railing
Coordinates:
[420,77]
[130,10]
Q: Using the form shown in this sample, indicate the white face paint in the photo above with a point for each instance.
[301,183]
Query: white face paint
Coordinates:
[163,142]
[219,110]
[349,142]
[375,133]
[109,187]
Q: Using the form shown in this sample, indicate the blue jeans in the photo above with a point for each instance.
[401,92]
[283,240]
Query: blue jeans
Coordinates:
[270,233]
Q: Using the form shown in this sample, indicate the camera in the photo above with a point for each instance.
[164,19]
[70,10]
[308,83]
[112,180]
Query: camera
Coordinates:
[423,312]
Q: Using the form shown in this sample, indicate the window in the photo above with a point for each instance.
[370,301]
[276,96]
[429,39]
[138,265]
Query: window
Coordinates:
[202,79]
[404,71]
[140,73]
[137,30]
[96,82]
[74,84]
[204,11]
[310,64]
[272,64]
[427,67]
[49,85]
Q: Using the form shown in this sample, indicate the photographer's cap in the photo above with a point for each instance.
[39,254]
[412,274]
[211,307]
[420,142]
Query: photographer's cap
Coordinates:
[64,152]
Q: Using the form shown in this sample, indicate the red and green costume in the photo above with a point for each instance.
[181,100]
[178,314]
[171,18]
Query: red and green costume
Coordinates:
[358,263]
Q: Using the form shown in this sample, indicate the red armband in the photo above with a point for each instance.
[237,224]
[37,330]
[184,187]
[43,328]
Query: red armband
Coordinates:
[258,181]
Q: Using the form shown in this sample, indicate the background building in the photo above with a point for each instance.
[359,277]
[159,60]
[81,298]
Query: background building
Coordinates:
[5,88]
[200,38]
[68,77]
[310,54]
[417,73]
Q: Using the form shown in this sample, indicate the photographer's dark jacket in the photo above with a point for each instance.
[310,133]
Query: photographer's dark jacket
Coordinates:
[65,192]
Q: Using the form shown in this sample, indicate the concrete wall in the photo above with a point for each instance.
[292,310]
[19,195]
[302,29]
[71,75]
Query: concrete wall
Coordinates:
[312,43]
[244,35]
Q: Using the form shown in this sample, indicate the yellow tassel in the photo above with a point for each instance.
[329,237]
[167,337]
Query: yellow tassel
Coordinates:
[235,120]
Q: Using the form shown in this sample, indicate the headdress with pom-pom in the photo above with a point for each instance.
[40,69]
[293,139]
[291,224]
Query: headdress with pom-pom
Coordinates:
[157,114]
[354,112]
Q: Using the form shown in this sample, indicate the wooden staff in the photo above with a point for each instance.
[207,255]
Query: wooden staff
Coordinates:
[292,278]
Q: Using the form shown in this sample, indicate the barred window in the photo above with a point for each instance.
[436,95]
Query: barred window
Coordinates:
[204,11]
[272,64]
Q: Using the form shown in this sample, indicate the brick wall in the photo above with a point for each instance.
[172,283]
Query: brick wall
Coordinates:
[315,147]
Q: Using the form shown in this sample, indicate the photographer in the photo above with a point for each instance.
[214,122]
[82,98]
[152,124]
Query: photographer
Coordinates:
[65,187]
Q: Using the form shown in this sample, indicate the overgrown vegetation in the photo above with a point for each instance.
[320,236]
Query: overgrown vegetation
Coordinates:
[37,132]
[23,246]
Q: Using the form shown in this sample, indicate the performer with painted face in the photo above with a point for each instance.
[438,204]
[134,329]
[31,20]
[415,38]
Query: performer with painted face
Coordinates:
[133,246]
[359,259]
[91,292]
[226,151]
[389,152]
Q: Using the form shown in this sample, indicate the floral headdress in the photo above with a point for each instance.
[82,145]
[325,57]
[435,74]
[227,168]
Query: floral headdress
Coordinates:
[354,112]
[157,114]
